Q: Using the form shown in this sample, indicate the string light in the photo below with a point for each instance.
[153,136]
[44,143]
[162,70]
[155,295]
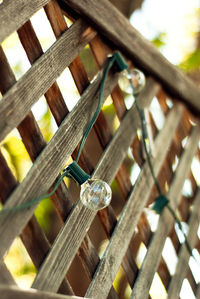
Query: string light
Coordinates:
[95,194]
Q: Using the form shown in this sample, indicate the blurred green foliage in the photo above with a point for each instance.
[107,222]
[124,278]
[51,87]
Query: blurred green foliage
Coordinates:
[159,40]
[192,62]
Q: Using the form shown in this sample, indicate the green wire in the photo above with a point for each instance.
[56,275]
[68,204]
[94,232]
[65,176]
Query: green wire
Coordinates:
[66,173]
[102,84]
[34,201]
[144,137]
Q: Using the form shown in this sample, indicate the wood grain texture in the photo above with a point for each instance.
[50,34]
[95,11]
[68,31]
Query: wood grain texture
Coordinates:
[87,252]
[51,160]
[13,14]
[17,102]
[10,292]
[106,19]
[32,235]
[6,277]
[183,257]
[152,258]
[125,228]
[67,243]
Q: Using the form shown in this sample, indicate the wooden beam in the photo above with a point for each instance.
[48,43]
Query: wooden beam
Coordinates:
[15,13]
[184,256]
[10,292]
[60,257]
[153,255]
[107,20]
[18,100]
[6,277]
[111,260]
[52,160]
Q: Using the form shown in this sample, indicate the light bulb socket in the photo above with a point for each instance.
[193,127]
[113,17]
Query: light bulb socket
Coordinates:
[120,62]
[77,173]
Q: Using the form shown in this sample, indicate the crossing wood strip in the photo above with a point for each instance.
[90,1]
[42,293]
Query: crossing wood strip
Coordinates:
[183,258]
[18,100]
[32,235]
[36,143]
[87,253]
[33,51]
[152,258]
[107,216]
[114,26]
[28,128]
[44,171]
[59,26]
[192,281]
[15,13]
[10,292]
[80,218]
[5,276]
[100,52]
[198,292]
[117,247]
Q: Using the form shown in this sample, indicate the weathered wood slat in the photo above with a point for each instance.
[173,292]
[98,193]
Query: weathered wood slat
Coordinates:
[87,252]
[33,51]
[152,258]
[111,23]
[10,292]
[44,171]
[32,236]
[104,135]
[81,218]
[183,257]
[13,14]
[5,275]
[124,230]
[59,26]
[17,102]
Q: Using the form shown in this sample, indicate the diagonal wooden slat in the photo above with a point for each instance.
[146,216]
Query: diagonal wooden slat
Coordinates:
[6,277]
[183,257]
[116,27]
[15,13]
[44,171]
[10,292]
[61,255]
[117,247]
[18,100]
[87,253]
[32,235]
[152,258]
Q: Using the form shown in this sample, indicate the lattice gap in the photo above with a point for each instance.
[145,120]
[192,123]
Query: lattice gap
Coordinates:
[20,264]
[43,29]
[88,61]
[157,289]
[186,290]
[121,284]
[68,89]
[44,118]
[16,55]
[16,155]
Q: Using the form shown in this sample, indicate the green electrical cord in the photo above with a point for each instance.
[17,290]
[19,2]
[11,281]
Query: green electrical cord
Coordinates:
[161,201]
[74,170]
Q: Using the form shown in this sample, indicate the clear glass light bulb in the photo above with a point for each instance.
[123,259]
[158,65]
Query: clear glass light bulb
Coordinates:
[137,78]
[95,194]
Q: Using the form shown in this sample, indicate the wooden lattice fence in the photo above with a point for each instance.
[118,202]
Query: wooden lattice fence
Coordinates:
[114,154]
